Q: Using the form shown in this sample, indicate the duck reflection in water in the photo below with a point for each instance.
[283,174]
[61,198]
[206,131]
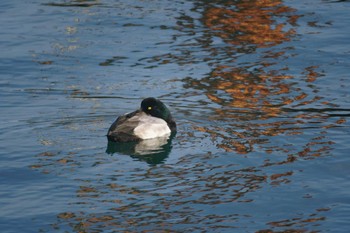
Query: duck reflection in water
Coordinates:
[145,133]
[153,151]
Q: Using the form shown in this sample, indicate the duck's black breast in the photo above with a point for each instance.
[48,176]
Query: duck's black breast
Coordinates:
[171,124]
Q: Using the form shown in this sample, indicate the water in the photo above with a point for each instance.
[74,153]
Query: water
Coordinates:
[259,90]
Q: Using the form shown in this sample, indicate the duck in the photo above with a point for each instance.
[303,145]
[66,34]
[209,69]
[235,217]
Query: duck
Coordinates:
[152,120]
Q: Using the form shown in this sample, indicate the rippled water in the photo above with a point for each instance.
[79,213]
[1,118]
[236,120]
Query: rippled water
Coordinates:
[259,90]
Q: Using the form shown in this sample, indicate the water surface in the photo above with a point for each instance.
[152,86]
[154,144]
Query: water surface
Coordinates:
[259,90]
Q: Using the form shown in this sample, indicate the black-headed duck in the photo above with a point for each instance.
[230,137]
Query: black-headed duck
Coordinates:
[152,120]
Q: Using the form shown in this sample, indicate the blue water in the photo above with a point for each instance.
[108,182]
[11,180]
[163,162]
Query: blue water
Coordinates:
[259,91]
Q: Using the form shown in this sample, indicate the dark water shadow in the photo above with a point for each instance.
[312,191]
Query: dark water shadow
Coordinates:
[152,151]
[73,3]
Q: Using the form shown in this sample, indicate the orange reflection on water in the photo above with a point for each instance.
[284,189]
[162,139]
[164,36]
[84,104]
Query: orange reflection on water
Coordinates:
[246,90]
[250,22]
[249,100]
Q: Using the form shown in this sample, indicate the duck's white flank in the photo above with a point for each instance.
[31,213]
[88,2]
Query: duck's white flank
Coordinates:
[150,127]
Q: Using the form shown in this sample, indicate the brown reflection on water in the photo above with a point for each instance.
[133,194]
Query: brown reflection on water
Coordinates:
[238,88]
[176,198]
[249,100]
[298,223]
[250,22]
[175,203]
[253,110]
[257,98]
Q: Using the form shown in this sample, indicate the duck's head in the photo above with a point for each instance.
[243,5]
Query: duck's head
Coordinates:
[156,108]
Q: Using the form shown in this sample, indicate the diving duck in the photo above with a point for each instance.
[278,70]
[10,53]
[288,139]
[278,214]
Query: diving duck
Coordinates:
[152,120]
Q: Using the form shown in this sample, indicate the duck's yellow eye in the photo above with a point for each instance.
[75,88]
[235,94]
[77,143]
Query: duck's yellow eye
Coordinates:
[149,108]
